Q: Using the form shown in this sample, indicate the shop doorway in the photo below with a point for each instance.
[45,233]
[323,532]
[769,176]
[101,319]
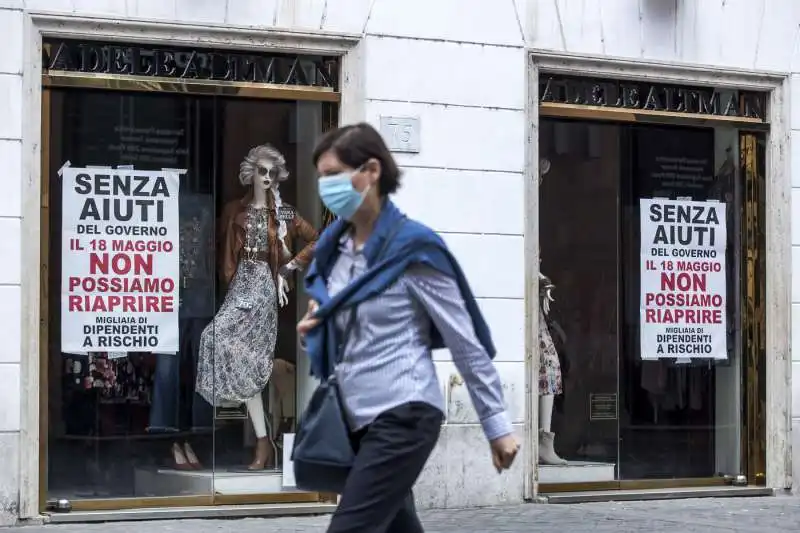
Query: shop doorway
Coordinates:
[131,428]
[685,407]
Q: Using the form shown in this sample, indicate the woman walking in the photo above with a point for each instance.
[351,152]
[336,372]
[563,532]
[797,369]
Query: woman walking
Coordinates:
[388,290]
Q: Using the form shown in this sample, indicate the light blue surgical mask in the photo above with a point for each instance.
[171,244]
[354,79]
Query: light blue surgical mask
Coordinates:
[338,194]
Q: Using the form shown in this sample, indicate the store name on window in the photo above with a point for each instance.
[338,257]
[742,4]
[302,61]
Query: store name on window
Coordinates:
[188,64]
[645,96]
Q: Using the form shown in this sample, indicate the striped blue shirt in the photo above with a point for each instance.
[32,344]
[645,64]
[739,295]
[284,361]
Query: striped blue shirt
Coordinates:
[387,357]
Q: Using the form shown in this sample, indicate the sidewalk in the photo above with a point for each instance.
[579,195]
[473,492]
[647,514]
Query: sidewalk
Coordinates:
[751,515]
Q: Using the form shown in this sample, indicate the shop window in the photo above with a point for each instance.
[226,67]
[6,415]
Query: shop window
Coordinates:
[130,423]
[620,398]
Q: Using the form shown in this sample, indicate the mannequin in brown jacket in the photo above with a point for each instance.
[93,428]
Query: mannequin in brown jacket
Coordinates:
[258,234]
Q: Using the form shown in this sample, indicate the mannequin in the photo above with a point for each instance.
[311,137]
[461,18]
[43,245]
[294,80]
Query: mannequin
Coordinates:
[237,347]
[550,383]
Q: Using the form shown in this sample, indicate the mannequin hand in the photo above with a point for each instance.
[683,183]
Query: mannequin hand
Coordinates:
[307,323]
[546,305]
[283,291]
[504,450]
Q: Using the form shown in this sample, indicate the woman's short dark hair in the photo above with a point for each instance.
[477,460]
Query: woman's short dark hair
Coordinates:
[356,144]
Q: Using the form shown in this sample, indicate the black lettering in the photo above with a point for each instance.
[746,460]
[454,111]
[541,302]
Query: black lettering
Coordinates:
[165,64]
[651,102]
[683,99]
[83,183]
[62,59]
[661,236]
[160,188]
[712,216]
[91,59]
[297,75]
[188,63]
[90,210]
[102,184]
[731,108]
[655,212]
[709,104]
[120,61]
[141,181]
[754,106]
[191,70]
[142,61]
[669,99]
[546,92]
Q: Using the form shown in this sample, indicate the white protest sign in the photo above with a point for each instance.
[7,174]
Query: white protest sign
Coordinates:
[683,279]
[120,260]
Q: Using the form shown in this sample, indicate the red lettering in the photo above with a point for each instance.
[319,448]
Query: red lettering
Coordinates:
[76,304]
[683,281]
[125,304]
[141,246]
[121,264]
[688,316]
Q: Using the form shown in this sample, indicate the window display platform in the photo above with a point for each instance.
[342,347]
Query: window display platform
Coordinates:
[171,482]
[193,513]
[577,472]
[657,494]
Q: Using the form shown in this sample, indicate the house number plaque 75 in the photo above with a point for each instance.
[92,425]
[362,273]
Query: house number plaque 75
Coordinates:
[401,133]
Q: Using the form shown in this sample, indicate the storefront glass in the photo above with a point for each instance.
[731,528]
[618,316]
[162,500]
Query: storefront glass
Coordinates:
[124,422]
[640,237]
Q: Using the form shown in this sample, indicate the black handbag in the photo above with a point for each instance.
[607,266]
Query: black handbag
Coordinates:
[322,454]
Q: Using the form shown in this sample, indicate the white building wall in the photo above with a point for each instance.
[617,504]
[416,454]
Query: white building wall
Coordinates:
[459,65]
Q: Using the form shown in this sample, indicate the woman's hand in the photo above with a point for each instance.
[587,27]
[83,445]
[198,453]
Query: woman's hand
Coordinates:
[307,323]
[504,450]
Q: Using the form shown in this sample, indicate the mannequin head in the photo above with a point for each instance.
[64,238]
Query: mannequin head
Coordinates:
[544,168]
[264,167]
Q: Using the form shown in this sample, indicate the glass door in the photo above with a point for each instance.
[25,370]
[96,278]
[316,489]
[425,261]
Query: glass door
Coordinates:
[248,363]
[683,394]
[641,235]
[580,335]
[113,412]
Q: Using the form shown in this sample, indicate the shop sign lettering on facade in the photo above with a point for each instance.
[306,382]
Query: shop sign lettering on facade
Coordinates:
[120,261]
[652,97]
[683,287]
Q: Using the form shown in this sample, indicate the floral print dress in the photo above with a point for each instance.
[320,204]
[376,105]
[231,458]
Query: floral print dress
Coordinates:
[549,366]
[237,348]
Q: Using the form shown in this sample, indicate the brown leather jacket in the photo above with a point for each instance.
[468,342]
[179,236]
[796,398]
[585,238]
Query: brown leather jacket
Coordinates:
[232,237]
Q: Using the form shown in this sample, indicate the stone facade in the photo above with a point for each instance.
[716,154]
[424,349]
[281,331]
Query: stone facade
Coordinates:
[461,66]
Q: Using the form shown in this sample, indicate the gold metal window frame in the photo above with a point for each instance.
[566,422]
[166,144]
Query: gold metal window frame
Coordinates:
[647,116]
[127,83]
[122,82]
[753,401]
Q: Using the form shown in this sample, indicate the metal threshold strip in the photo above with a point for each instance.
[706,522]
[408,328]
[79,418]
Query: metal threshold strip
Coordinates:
[657,494]
[210,512]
